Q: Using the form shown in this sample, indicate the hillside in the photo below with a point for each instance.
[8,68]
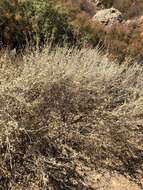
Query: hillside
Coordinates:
[30,23]
[71,95]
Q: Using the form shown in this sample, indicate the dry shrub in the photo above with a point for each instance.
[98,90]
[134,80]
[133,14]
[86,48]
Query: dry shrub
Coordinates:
[64,111]
[129,8]
[124,40]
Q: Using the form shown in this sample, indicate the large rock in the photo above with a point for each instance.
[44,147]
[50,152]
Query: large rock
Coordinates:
[108,16]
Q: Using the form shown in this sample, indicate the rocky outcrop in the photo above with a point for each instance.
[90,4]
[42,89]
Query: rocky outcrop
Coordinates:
[108,16]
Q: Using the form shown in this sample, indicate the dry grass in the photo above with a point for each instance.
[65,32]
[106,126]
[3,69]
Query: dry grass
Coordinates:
[65,112]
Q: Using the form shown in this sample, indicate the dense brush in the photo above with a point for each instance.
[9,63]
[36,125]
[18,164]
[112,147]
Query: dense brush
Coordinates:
[65,112]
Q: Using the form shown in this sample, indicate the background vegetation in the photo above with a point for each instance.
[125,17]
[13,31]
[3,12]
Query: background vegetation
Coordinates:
[31,22]
[27,21]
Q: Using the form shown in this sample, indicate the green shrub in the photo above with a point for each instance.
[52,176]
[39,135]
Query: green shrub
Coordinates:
[25,21]
[49,22]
